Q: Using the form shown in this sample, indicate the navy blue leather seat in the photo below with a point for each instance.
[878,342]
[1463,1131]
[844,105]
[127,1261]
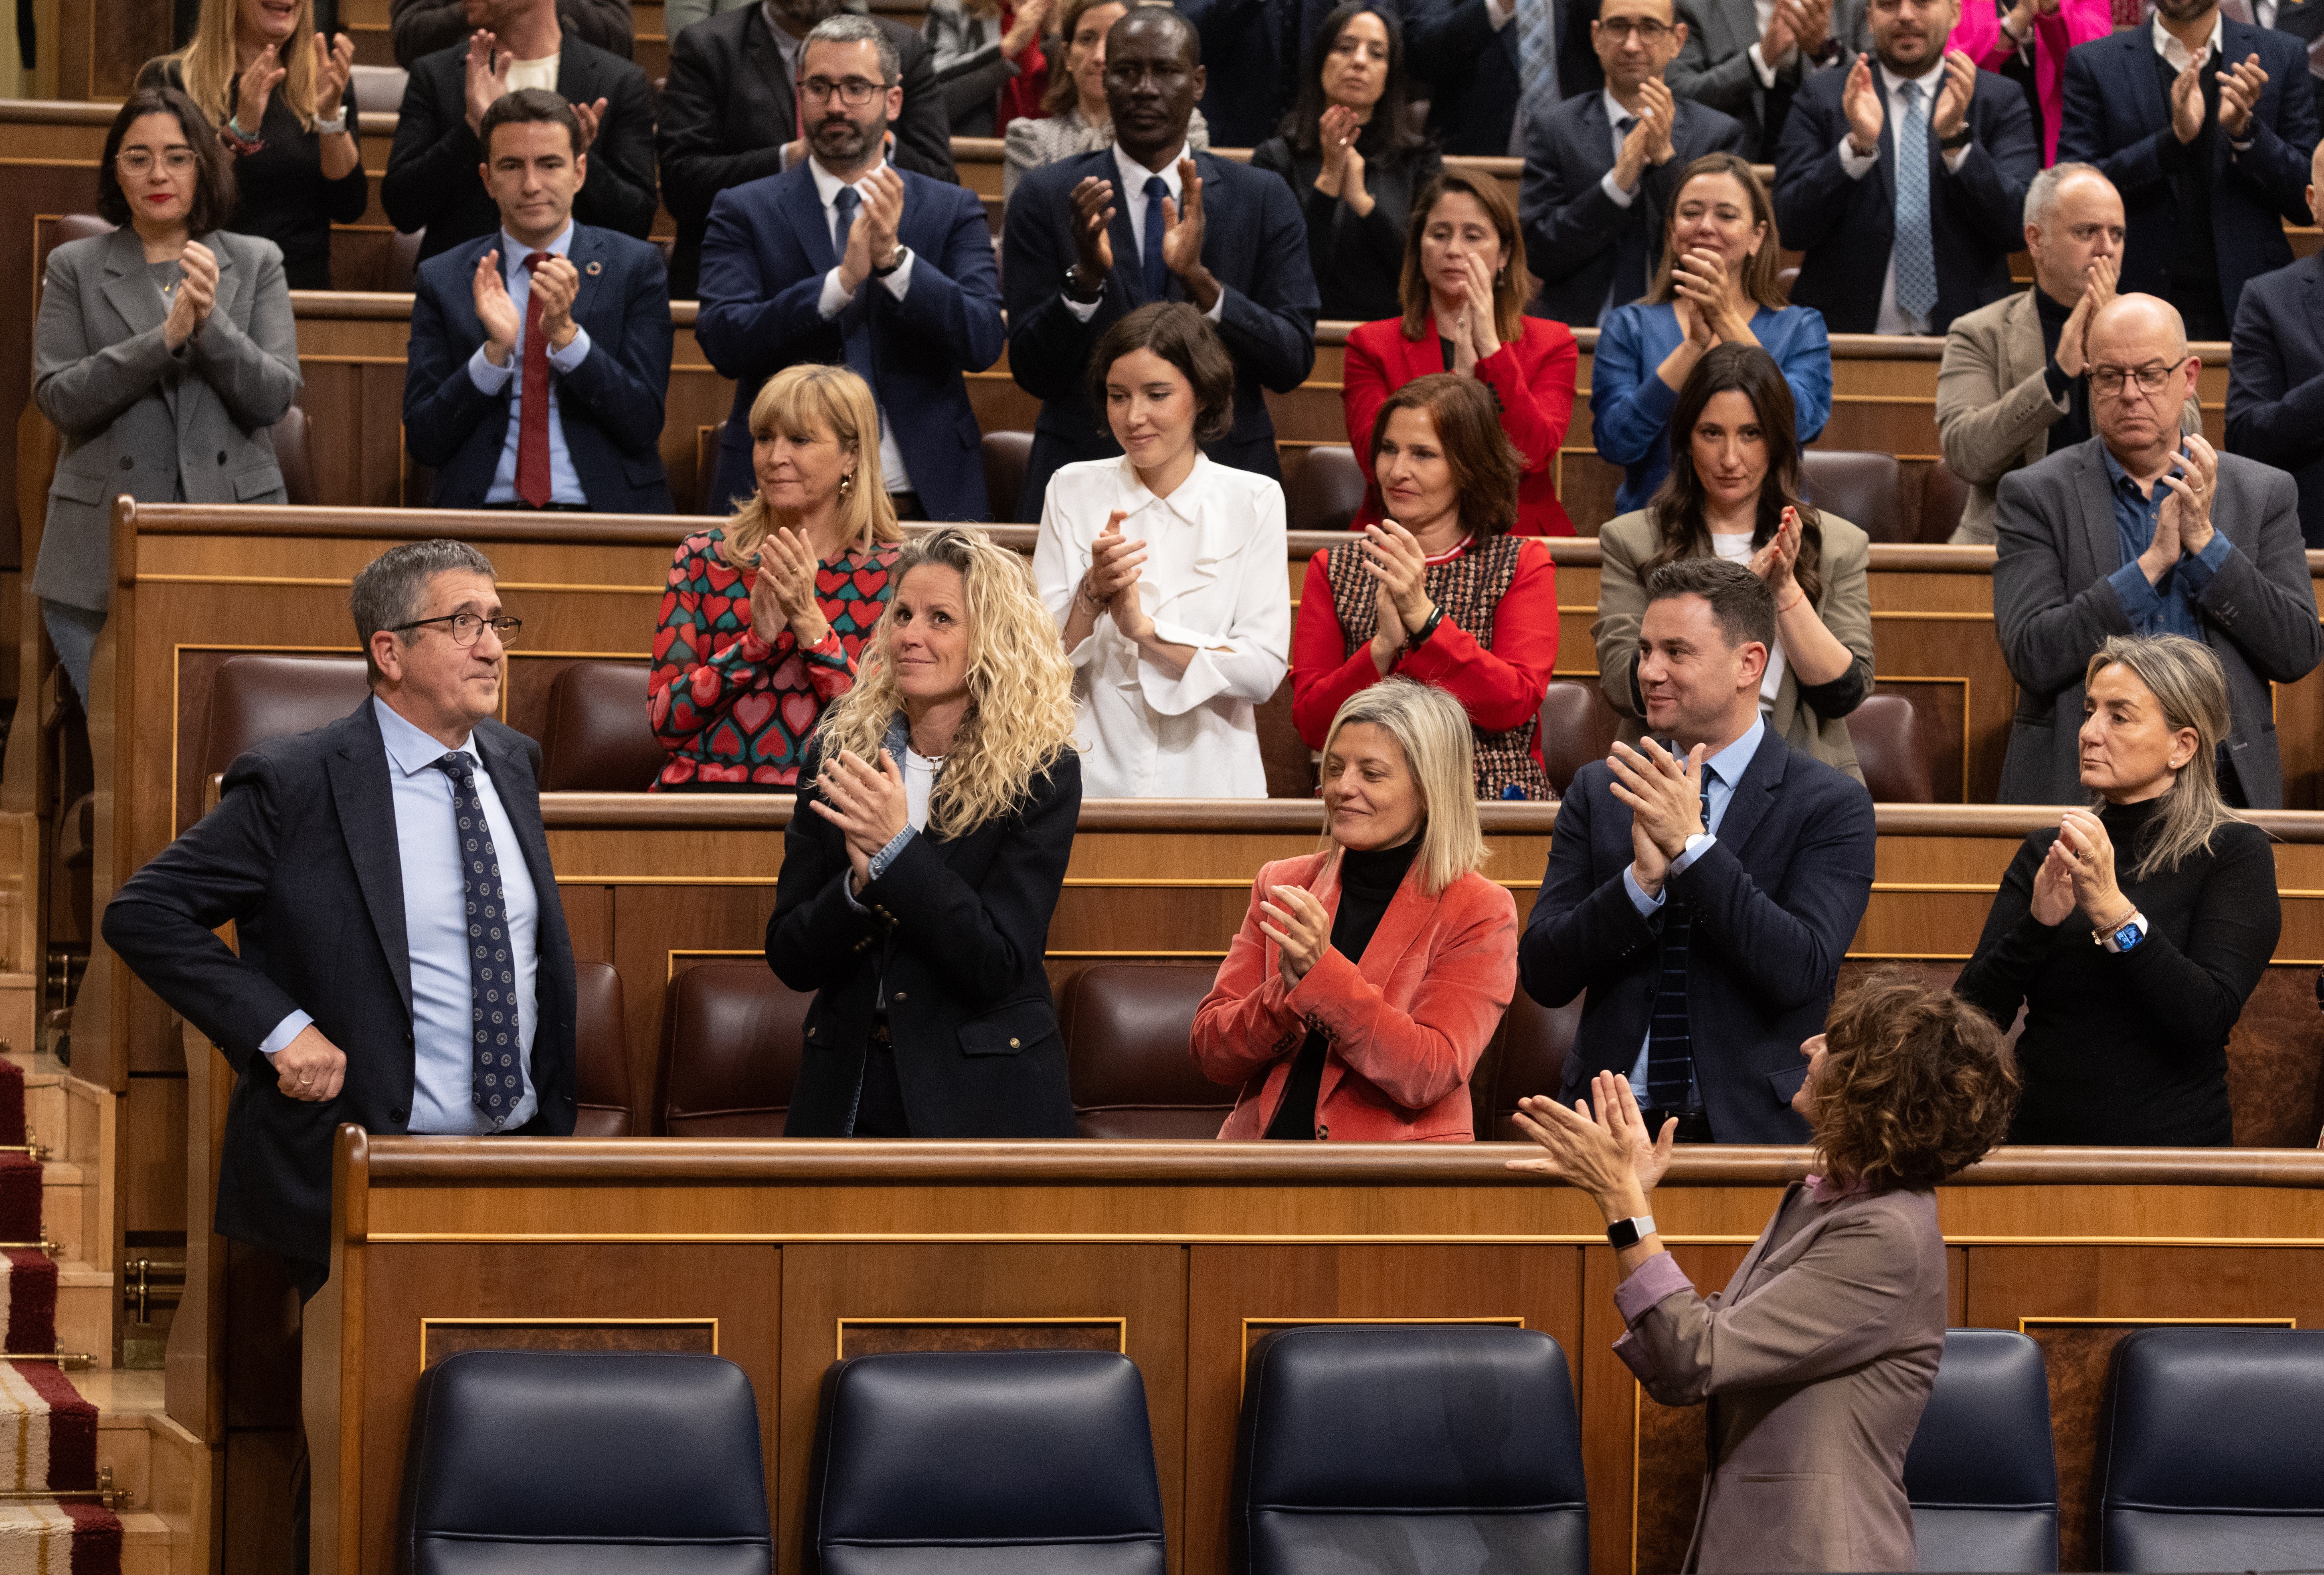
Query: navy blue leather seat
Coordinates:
[1409,1448]
[535,1462]
[1982,1474]
[1032,1462]
[2211,1450]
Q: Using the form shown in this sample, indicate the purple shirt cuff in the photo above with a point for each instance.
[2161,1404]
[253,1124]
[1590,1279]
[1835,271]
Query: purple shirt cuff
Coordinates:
[1657,1278]
[1633,1352]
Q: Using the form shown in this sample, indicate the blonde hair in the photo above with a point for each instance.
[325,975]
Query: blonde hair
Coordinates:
[211,63]
[1020,688]
[1433,732]
[805,401]
[2190,684]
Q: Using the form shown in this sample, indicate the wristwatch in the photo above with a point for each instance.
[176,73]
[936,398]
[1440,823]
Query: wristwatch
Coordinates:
[2124,936]
[1958,140]
[1080,290]
[1631,1231]
[331,128]
[895,261]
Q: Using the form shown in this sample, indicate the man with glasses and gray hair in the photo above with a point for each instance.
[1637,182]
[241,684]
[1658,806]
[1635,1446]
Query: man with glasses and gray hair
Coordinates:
[403,960]
[847,258]
[2143,530]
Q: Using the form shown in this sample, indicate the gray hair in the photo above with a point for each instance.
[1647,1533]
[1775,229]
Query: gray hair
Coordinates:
[2041,197]
[848,28]
[387,592]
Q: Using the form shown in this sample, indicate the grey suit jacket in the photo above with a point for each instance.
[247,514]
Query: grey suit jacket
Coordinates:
[2053,605]
[1714,65]
[1816,1360]
[139,420]
[1994,410]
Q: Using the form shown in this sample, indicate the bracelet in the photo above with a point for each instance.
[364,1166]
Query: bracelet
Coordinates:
[1793,603]
[232,134]
[332,128]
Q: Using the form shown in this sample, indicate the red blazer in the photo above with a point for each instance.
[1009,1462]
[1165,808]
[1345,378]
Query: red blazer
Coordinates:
[1406,1025]
[1534,377]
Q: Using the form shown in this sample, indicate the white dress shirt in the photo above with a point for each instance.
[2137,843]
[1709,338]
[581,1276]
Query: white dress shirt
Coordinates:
[1214,580]
[836,298]
[2174,53]
[564,481]
[1130,193]
[1891,319]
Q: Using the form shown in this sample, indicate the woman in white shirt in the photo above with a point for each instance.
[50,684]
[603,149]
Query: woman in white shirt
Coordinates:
[1164,571]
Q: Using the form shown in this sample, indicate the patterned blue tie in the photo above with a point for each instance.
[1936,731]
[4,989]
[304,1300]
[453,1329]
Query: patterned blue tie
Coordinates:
[1670,1045]
[1158,278]
[1536,66]
[1917,257]
[492,972]
[856,317]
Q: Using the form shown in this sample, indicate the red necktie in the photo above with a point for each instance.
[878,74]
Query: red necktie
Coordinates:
[532,482]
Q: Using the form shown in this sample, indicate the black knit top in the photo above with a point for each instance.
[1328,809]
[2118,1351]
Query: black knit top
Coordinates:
[1368,883]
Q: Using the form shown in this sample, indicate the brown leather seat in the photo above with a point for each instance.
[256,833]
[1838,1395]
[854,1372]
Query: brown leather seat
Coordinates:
[1866,489]
[1129,1052]
[1006,455]
[1943,496]
[292,453]
[731,1035]
[1328,491]
[1784,279]
[1529,1058]
[254,697]
[1290,763]
[1577,727]
[1893,751]
[597,739]
[403,260]
[601,1053]
[82,226]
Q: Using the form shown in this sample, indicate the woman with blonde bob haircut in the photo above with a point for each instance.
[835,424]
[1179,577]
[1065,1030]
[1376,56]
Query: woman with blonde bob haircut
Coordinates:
[1369,975]
[2133,931]
[924,860]
[766,616]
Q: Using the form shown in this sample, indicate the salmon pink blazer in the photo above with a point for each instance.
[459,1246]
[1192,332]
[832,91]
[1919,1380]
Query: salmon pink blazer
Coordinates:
[1406,1025]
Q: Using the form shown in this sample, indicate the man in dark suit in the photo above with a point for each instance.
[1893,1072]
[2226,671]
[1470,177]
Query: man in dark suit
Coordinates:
[1474,54]
[1704,894]
[427,186]
[1903,180]
[1598,167]
[1749,59]
[1090,238]
[2275,377]
[729,112]
[847,259]
[360,993]
[2204,123]
[593,360]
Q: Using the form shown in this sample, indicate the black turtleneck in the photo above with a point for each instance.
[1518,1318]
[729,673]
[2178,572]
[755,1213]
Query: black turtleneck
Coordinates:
[1368,884]
[2130,1047]
[2074,426]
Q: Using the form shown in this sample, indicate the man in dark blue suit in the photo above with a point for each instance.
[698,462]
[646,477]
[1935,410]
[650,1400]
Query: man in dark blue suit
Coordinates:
[1598,167]
[539,354]
[1092,238]
[2275,376]
[1705,894]
[2204,123]
[847,258]
[1471,54]
[1903,177]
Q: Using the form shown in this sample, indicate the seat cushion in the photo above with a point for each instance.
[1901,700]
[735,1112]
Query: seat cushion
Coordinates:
[598,739]
[1982,1474]
[601,1053]
[1129,1050]
[730,1053]
[254,698]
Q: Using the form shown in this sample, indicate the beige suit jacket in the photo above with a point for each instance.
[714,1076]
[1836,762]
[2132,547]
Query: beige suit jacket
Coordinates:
[1816,1361]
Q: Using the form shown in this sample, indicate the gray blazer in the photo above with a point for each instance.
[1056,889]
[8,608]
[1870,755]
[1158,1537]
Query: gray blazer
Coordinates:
[1816,1361]
[2051,607]
[137,418]
[1994,410]
[1714,65]
[1817,726]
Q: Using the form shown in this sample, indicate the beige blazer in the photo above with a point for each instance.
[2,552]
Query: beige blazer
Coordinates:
[1816,1361]
[1846,608]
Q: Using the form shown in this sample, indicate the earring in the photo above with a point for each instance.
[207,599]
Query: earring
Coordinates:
[846,482]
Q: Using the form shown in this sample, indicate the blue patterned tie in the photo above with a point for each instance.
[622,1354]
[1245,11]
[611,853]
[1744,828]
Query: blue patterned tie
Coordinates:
[1536,66]
[856,317]
[1670,1045]
[492,970]
[1917,257]
[1158,278]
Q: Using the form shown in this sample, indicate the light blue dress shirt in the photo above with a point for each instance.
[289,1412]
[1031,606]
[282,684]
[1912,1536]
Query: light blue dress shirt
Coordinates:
[564,481]
[2172,604]
[435,927]
[1720,773]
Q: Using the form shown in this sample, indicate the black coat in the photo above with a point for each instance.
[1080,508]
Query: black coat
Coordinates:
[1358,262]
[958,930]
[432,182]
[728,108]
[300,855]
[2276,379]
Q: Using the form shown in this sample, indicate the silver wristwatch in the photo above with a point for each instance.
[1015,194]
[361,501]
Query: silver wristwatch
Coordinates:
[331,128]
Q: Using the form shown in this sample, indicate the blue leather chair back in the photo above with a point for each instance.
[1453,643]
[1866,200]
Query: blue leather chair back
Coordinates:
[2211,1450]
[528,1462]
[1403,1447]
[1031,1462]
[1981,1474]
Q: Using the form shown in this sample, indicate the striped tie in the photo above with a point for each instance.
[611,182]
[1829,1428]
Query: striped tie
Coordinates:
[1670,1048]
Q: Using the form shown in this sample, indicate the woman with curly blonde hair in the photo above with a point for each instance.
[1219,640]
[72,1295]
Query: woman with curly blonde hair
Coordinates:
[936,813]
[1821,1352]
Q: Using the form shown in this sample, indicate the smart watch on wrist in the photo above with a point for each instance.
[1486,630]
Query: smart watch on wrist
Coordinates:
[1631,1231]
[2125,936]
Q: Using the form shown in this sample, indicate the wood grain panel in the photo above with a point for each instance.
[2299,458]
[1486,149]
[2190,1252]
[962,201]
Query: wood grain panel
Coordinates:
[151,1153]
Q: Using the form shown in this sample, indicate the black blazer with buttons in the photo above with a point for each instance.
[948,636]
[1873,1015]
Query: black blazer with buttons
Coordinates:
[1776,899]
[300,856]
[956,929]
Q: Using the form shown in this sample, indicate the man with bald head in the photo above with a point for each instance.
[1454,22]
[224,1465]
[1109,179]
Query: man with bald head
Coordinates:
[2141,531]
[2276,379]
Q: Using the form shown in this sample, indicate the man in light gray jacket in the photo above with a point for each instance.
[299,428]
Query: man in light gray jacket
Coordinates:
[2140,531]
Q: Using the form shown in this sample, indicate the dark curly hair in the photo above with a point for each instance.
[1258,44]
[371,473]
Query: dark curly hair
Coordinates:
[1915,1086]
[1184,338]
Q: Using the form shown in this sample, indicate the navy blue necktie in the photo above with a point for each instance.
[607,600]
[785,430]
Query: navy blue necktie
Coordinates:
[492,970]
[1158,279]
[1670,1045]
[856,317]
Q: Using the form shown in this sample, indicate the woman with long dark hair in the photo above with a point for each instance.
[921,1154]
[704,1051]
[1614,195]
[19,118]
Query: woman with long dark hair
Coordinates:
[1733,492]
[1349,152]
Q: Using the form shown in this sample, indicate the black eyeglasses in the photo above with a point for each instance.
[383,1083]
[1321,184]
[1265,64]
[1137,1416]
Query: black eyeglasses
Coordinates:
[2151,377]
[854,92]
[1648,30]
[466,628]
